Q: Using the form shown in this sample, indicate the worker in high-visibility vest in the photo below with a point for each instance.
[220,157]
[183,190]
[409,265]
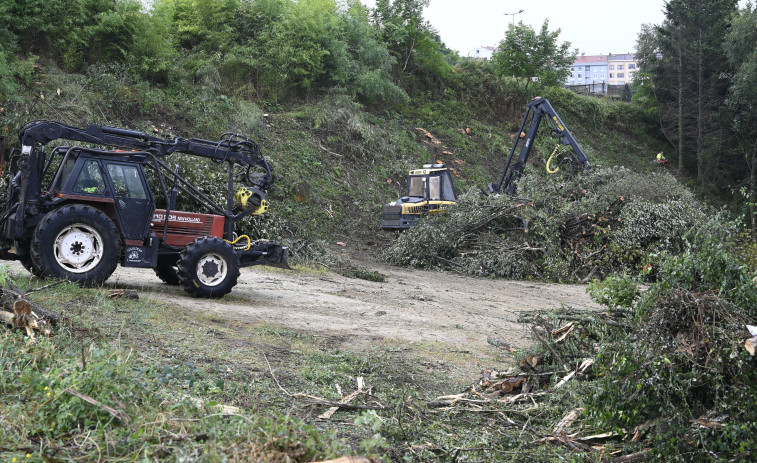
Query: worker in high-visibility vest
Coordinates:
[661,159]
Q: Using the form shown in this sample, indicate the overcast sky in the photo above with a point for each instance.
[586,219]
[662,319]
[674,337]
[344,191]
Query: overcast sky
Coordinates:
[592,26]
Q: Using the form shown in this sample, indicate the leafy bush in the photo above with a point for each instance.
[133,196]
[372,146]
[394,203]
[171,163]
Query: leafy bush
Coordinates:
[614,292]
[656,226]
[683,361]
[706,264]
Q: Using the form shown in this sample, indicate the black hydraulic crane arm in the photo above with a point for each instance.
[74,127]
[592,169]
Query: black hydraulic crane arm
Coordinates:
[230,148]
[537,109]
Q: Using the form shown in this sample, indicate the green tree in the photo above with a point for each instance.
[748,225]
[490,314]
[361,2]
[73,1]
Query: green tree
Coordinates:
[686,64]
[741,49]
[411,40]
[284,47]
[153,48]
[207,24]
[526,55]
[359,61]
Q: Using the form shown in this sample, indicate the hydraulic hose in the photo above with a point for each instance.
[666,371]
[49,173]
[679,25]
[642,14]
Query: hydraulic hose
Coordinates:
[549,161]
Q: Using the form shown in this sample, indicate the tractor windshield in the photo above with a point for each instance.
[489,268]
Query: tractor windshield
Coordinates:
[90,179]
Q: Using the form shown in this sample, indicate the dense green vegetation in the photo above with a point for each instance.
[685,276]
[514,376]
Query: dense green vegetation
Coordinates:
[335,94]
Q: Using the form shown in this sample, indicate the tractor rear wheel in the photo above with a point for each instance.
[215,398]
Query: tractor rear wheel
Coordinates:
[208,267]
[76,242]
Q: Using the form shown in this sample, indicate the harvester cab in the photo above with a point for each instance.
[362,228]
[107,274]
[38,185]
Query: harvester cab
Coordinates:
[99,210]
[429,191]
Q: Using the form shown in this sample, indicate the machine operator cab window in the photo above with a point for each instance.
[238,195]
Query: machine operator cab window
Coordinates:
[90,179]
[433,185]
[126,181]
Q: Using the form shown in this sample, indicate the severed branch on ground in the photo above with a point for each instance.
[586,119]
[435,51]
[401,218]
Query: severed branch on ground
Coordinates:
[345,399]
[19,312]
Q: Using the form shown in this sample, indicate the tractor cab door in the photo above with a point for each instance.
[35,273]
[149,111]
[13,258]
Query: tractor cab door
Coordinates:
[134,203]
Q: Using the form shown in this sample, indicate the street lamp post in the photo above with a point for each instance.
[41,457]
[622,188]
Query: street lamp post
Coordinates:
[513,15]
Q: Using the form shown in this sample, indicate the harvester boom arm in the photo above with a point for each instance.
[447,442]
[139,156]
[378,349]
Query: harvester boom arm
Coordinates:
[537,109]
[230,148]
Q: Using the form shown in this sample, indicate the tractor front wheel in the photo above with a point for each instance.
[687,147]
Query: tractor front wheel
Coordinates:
[167,272]
[78,243]
[24,252]
[208,267]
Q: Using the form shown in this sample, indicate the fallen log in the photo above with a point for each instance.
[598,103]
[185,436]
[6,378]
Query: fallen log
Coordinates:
[11,294]
[7,317]
[535,359]
[507,385]
[632,457]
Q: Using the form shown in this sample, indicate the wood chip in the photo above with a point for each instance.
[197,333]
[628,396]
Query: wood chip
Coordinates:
[751,345]
[568,329]
[565,379]
[567,421]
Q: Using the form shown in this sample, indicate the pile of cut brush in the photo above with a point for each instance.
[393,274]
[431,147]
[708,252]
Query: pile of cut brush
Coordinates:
[569,230]
[670,378]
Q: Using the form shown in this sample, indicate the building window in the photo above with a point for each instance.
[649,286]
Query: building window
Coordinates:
[587,68]
[612,67]
[611,75]
[612,82]
[630,75]
[621,75]
[579,74]
[596,75]
[602,75]
[631,66]
[620,66]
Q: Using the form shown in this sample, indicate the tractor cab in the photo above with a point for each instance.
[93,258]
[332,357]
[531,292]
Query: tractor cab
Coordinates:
[429,191]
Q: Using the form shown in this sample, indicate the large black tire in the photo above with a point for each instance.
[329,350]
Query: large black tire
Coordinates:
[78,243]
[208,267]
[24,253]
[167,272]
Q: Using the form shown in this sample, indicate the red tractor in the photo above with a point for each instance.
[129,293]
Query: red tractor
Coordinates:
[98,209]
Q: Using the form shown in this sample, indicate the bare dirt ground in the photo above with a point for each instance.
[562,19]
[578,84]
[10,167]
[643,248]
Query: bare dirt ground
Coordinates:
[462,312]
